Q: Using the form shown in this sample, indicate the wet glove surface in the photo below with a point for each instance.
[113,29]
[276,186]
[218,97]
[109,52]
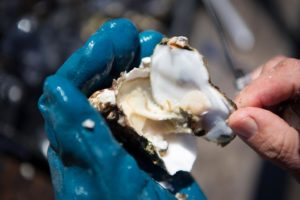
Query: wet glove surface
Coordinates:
[86,162]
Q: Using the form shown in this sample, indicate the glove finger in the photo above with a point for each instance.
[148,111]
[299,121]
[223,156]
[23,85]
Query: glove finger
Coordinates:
[80,134]
[68,115]
[84,143]
[148,40]
[90,64]
[108,52]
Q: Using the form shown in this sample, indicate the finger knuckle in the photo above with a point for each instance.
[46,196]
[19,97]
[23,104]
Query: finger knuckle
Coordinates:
[278,57]
[283,150]
[272,148]
[288,63]
[269,150]
[272,63]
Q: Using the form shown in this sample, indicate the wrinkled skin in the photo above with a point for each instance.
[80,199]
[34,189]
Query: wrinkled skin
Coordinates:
[258,120]
[87,162]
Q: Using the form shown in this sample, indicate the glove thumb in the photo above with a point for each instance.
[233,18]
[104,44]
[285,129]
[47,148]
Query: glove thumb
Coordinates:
[269,135]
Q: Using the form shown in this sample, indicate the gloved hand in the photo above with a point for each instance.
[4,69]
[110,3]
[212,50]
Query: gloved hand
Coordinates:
[85,160]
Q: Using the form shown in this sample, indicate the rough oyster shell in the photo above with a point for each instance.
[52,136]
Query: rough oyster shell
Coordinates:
[161,105]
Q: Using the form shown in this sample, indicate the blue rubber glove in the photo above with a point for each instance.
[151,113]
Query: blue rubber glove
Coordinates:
[86,162]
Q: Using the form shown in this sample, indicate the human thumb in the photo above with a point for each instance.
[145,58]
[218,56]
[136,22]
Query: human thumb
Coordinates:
[268,135]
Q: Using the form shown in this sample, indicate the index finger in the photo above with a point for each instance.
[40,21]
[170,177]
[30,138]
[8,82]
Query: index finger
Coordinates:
[272,87]
[108,52]
[267,66]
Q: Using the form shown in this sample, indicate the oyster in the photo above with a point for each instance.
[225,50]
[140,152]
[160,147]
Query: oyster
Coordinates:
[160,106]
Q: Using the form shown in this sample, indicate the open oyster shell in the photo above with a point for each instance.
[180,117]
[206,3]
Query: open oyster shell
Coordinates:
[160,106]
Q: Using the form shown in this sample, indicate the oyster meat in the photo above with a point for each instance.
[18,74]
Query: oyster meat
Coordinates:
[164,103]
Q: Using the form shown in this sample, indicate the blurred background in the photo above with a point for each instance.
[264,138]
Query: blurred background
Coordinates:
[235,36]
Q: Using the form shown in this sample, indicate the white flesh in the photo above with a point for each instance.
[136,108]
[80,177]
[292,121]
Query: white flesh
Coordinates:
[153,97]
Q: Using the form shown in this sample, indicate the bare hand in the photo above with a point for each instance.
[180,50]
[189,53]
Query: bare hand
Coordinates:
[267,133]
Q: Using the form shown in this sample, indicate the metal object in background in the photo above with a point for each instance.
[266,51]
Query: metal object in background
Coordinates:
[213,13]
[234,24]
